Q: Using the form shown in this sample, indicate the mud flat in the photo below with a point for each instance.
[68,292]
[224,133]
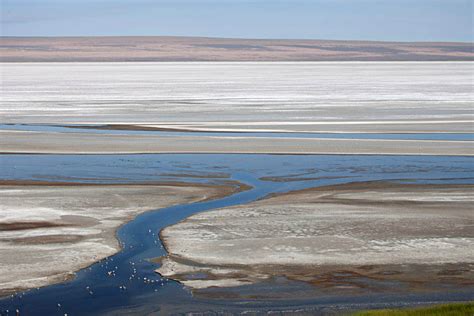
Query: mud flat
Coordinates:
[338,238]
[50,230]
[83,143]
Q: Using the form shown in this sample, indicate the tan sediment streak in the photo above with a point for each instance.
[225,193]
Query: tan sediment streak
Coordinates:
[65,143]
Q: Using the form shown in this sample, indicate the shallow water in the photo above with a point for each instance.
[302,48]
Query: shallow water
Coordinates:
[93,291]
[97,130]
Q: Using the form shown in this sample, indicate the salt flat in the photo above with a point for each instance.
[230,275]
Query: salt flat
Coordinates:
[49,231]
[281,96]
[380,231]
[384,232]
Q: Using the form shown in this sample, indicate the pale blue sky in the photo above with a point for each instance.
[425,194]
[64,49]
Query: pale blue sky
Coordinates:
[390,20]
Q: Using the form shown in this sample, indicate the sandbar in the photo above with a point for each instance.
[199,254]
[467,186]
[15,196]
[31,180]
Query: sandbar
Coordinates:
[83,143]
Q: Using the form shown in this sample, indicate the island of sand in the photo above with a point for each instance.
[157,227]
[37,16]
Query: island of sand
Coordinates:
[49,230]
[338,238]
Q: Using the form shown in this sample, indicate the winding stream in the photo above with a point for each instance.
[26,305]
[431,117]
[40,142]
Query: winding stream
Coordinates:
[93,291]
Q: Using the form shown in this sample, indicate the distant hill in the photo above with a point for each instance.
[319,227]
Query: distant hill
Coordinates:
[113,49]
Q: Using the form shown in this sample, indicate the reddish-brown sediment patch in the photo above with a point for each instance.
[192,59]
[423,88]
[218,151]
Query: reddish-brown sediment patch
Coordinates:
[50,239]
[28,225]
[342,280]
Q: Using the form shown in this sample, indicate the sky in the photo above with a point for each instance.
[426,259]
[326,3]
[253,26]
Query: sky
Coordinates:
[386,20]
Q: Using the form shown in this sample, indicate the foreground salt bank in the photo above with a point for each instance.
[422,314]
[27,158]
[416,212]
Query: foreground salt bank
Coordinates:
[419,235]
[50,230]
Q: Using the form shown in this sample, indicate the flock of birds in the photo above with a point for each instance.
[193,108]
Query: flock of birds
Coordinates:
[111,270]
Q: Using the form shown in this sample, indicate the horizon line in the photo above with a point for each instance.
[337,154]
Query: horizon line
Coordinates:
[234,38]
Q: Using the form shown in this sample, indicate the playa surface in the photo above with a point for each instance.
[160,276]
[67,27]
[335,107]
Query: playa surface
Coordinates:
[375,97]
[161,48]
[50,230]
[288,97]
[338,238]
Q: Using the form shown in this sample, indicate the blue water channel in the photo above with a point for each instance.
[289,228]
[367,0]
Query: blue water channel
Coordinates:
[96,129]
[136,288]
